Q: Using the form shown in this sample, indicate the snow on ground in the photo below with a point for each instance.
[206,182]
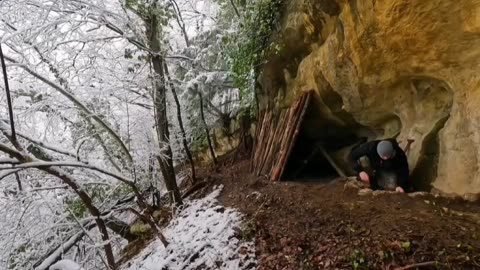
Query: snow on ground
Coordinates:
[65,265]
[203,235]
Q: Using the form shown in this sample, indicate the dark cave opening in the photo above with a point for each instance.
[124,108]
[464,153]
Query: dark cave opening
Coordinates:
[312,158]
[306,163]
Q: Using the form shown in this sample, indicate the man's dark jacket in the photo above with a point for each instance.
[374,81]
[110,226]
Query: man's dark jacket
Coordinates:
[398,164]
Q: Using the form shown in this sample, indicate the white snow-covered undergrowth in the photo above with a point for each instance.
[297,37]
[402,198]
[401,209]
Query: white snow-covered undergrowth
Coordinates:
[65,265]
[204,235]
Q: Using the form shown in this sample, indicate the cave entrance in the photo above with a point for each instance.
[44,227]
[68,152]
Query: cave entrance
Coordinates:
[306,142]
[308,162]
[319,151]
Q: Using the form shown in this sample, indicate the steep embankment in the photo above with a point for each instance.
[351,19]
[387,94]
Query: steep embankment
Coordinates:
[380,68]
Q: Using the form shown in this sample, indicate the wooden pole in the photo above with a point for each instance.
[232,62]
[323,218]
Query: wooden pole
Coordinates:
[271,136]
[260,142]
[286,136]
[275,145]
[291,136]
[263,141]
[331,161]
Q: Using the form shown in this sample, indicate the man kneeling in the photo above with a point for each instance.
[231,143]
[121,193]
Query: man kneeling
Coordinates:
[382,164]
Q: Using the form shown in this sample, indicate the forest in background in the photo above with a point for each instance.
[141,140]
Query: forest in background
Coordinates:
[106,98]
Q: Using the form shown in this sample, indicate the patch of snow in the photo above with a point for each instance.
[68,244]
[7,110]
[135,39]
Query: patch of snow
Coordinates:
[203,235]
[65,265]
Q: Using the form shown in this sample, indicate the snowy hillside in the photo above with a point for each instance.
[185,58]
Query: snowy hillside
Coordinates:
[204,235]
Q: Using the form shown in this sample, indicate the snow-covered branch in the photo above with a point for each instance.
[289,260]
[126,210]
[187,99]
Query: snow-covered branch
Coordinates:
[43,164]
[78,103]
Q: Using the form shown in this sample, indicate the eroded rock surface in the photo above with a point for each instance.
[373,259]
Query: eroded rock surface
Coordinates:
[380,68]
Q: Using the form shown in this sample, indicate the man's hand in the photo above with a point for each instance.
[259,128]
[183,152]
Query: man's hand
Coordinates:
[364,177]
[400,190]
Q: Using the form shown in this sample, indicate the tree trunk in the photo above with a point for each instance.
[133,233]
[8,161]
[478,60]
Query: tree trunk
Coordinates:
[160,111]
[206,128]
[245,139]
[180,123]
[165,156]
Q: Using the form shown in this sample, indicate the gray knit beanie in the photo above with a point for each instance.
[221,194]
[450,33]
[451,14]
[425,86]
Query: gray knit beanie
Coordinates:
[385,149]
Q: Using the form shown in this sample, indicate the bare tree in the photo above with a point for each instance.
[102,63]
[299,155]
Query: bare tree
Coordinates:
[207,131]
[165,158]
[180,123]
[152,21]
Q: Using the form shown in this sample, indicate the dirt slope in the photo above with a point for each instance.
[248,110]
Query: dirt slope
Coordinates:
[329,226]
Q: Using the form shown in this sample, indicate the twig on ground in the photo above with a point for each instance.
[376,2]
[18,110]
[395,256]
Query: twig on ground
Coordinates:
[194,189]
[412,266]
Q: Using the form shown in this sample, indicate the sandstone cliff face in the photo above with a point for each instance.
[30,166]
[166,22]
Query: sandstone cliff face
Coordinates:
[383,67]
